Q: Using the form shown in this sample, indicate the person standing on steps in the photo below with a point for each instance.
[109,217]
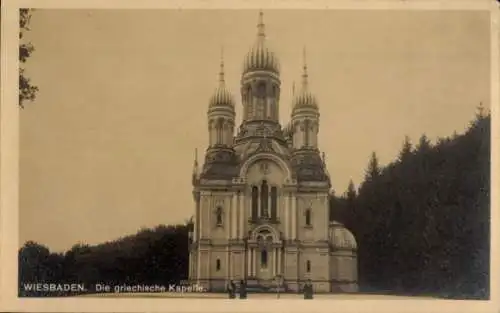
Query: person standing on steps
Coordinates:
[243,290]
[308,290]
[231,288]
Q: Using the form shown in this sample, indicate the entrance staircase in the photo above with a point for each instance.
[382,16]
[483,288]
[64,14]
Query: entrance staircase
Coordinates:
[256,285]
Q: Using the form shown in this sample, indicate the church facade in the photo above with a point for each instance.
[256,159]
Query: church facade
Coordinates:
[262,194]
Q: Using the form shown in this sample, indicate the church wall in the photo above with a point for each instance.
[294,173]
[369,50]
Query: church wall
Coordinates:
[219,267]
[319,223]
[291,264]
[243,213]
[210,203]
[192,266]
[275,176]
[344,273]
[319,268]
[205,217]
[237,265]
[204,267]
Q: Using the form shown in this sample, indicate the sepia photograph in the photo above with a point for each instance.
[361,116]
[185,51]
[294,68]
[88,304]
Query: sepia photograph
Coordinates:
[254,153]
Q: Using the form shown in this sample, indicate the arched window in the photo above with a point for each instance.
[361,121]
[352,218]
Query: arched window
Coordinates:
[264,198]
[263,259]
[219,131]
[217,265]
[255,201]
[218,215]
[308,266]
[308,217]
[274,202]
[306,132]
[248,103]
[261,90]
[260,109]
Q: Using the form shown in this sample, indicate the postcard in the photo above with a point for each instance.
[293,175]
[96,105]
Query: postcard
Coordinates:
[233,156]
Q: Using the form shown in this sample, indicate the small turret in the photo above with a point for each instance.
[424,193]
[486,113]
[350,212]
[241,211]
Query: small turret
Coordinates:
[260,82]
[305,115]
[196,168]
[221,114]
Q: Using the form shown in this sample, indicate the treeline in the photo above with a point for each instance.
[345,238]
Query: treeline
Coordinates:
[422,224]
[152,256]
[423,221]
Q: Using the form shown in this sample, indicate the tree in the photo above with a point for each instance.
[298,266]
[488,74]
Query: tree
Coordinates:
[152,256]
[424,144]
[373,170]
[27,91]
[32,267]
[351,191]
[406,150]
[423,223]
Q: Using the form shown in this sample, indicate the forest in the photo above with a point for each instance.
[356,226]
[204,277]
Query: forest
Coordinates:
[422,223]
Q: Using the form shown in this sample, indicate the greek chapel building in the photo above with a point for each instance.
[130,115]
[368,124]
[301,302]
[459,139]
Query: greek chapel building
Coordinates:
[262,194]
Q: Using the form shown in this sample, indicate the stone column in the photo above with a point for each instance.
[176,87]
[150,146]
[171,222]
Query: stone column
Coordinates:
[326,205]
[274,261]
[294,217]
[231,266]
[227,265]
[249,262]
[234,222]
[242,266]
[196,217]
[278,256]
[242,215]
[208,272]
[200,235]
[259,202]
[198,265]
[287,215]
[254,263]
[200,217]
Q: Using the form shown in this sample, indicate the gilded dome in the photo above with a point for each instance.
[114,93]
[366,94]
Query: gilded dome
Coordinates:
[341,237]
[222,96]
[260,57]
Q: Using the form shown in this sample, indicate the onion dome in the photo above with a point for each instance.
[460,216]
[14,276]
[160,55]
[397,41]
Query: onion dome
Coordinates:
[222,96]
[304,98]
[341,237]
[260,57]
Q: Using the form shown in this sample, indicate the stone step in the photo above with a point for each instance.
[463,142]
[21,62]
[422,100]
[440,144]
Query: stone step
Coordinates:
[264,285]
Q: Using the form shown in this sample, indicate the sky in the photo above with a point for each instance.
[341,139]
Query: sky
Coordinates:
[108,145]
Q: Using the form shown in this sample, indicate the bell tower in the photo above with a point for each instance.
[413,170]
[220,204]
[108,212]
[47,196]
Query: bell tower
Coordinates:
[260,85]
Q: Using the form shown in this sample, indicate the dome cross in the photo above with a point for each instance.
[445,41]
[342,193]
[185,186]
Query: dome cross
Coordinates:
[304,73]
[261,27]
[221,72]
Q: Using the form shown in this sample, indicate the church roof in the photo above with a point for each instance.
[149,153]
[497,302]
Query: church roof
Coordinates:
[341,237]
[256,145]
[308,166]
[220,164]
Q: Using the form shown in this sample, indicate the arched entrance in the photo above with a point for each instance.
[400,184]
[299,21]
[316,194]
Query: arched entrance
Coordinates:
[265,257]
[266,253]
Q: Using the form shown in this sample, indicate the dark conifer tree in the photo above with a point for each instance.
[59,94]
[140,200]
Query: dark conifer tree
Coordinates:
[373,170]
[406,150]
